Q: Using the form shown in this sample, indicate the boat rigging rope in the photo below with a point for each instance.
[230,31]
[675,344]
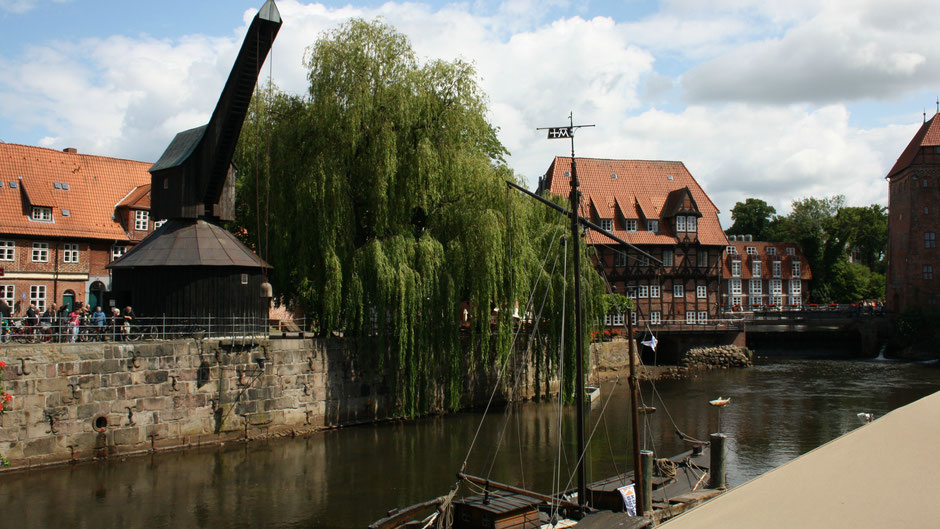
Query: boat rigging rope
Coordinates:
[505,361]
[556,470]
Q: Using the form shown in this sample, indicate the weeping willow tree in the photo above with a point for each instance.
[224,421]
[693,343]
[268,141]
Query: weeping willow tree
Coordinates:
[380,199]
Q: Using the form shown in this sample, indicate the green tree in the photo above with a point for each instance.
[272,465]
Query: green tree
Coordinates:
[380,199]
[752,217]
[865,230]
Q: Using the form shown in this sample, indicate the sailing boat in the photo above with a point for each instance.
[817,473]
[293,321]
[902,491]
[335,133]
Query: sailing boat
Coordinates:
[635,499]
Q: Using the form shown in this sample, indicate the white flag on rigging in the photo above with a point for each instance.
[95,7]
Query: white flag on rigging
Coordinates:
[651,343]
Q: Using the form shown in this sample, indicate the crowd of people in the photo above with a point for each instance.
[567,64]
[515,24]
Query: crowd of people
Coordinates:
[67,323]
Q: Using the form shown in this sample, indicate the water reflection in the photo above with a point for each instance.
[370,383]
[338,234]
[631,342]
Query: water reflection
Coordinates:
[347,478]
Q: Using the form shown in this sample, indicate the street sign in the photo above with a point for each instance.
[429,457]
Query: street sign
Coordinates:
[559,133]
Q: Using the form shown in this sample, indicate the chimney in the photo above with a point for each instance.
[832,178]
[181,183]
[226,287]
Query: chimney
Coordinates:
[70,150]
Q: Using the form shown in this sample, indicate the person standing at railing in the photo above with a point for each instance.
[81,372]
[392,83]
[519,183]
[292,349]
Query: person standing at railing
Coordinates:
[74,325]
[115,322]
[5,314]
[47,320]
[128,320]
[97,319]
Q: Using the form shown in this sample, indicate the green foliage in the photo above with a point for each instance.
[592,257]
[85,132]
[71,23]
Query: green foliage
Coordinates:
[380,200]
[752,217]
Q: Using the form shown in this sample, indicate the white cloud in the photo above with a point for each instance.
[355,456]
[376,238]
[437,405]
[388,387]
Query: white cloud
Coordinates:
[847,51]
[127,96]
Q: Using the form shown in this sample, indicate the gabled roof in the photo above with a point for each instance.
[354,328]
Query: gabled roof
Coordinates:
[87,186]
[927,136]
[674,200]
[641,187]
[188,242]
[138,198]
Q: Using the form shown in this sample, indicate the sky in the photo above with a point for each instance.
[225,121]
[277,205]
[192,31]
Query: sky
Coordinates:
[773,99]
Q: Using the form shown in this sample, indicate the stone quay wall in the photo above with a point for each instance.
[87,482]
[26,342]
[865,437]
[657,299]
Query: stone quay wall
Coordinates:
[75,402]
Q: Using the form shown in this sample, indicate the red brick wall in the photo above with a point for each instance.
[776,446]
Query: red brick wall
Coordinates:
[907,223]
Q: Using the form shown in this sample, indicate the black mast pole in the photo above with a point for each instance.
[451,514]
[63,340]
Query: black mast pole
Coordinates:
[575,199]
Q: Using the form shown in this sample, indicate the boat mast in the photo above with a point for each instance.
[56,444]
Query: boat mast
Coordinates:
[575,200]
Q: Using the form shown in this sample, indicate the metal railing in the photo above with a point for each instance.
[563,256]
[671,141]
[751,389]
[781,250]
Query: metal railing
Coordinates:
[22,330]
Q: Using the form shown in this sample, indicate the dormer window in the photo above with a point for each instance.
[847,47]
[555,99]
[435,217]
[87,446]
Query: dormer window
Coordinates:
[141,220]
[41,214]
[771,250]
[607,224]
[686,223]
[680,223]
[630,224]
[791,251]
[731,250]
[751,250]
[652,226]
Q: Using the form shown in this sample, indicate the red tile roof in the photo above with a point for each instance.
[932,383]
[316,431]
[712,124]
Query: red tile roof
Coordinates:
[138,198]
[96,184]
[927,136]
[641,187]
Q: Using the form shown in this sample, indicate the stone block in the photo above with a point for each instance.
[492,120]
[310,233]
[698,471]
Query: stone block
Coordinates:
[159,431]
[139,391]
[195,427]
[89,381]
[153,403]
[44,446]
[156,377]
[87,411]
[127,436]
[83,440]
[248,407]
[50,370]
[119,379]
[103,394]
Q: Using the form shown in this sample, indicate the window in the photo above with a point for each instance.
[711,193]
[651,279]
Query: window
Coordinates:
[37,296]
[141,220]
[701,292]
[776,268]
[654,291]
[691,224]
[796,269]
[40,252]
[690,317]
[751,250]
[607,224]
[667,257]
[926,210]
[928,271]
[656,318]
[771,250]
[41,214]
[652,225]
[7,250]
[629,224]
[614,320]
[7,293]
[734,287]
[117,251]
[930,240]
[754,287]
[702,317]
[70,253]
[643,291]
[678,291]
[620,258]
[756,269]
[925,181]
[731,250]
[776,301]
[736,268]
[796,289]
[244,279]
[736,301]
[633,318]
[791,251]
[776,287]
[680,223]
[631,291]
[644,259]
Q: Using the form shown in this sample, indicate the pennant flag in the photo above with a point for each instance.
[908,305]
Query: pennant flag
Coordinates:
[651,343]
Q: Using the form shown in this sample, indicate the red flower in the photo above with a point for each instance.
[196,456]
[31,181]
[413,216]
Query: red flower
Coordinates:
[7,397]
[3,365]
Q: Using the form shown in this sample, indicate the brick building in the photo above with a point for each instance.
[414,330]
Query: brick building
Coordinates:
[913,208]
[660,208]
[63,217]
[761,275]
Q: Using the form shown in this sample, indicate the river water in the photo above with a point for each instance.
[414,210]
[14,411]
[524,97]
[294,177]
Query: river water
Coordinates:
[780,408]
